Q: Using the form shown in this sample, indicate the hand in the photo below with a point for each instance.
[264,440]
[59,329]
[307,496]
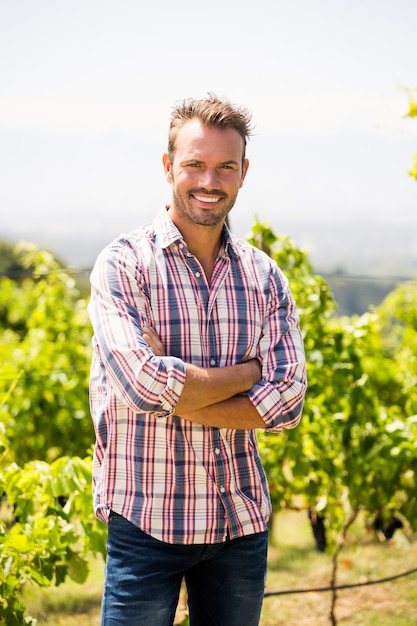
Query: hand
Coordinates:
[152,339]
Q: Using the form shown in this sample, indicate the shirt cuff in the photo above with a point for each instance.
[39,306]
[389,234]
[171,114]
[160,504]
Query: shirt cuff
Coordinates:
[176,379]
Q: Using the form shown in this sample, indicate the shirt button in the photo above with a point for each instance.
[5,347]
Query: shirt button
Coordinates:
[217,451]
[212,362]
[198,274]
[222,489]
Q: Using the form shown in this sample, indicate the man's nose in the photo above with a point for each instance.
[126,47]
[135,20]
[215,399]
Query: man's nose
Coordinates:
[209,178]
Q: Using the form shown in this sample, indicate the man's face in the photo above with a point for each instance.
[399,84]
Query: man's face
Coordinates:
[206,173]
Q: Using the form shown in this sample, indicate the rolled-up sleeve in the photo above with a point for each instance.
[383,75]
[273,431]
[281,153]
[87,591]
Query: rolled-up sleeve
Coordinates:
[118,309]
[279,396]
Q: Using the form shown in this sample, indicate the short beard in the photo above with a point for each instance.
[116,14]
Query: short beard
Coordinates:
[201,218]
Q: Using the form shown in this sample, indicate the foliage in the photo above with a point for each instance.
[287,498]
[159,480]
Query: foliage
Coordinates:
[47,525]
[355,448]
[9,264]
[44,361]
[356,445]
[47,529]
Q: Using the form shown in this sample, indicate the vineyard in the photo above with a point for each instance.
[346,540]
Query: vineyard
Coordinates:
[353,457]
[354,453]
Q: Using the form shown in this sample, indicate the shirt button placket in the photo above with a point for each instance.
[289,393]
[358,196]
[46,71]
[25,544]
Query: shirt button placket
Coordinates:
[219,469]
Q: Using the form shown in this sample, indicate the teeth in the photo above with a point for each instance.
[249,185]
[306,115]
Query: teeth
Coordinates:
[211,199]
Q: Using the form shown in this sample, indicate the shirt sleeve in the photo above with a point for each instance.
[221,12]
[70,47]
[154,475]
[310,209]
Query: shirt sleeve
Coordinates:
[279,396]
[118,308]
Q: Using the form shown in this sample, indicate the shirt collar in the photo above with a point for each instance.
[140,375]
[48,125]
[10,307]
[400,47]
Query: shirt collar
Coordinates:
[170,234]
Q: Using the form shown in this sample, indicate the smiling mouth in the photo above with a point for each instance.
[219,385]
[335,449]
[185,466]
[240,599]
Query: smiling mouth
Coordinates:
[206,199]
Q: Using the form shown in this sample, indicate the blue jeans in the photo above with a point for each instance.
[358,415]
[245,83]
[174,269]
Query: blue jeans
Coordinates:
[225,582]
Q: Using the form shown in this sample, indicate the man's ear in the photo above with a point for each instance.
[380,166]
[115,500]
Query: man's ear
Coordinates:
[167,167]
[244,171]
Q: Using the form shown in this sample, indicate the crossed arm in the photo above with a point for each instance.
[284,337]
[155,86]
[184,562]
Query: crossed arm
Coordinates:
[215,396]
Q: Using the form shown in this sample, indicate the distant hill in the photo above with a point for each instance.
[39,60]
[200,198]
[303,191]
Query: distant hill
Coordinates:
[357,294]
[359,248]
[362,262]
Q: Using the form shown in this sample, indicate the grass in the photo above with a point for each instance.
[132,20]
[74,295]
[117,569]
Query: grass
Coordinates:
[293,564]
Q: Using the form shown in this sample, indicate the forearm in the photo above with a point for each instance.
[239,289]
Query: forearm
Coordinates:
[205,387]
[237,412]
[211,394]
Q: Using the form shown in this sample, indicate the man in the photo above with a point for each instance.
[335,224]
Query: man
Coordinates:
[196,345]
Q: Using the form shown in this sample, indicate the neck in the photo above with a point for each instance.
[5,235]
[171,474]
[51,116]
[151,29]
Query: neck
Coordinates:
[205,249]
[203,240]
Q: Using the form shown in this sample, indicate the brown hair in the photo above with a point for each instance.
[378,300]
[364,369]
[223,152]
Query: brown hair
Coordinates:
[211,111]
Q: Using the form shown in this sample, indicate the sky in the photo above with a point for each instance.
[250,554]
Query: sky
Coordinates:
[87,87]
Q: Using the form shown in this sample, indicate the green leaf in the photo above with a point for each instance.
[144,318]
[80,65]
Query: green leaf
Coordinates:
[78,568]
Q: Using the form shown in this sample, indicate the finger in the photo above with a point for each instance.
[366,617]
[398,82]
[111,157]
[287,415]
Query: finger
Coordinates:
[152,339]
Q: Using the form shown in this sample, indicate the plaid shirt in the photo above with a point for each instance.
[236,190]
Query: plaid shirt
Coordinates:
[178,481]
